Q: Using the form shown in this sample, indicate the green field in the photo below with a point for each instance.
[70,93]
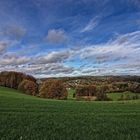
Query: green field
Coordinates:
[24,117]
[70,94]
[117,96]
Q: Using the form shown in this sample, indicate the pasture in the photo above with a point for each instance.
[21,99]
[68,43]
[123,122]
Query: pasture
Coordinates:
[24,117]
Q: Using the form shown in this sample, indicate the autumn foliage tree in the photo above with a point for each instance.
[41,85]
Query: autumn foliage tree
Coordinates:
[53,89]
[12,79]
[86,90]
[89,91]
[28,87]
[101,93]
[134,87]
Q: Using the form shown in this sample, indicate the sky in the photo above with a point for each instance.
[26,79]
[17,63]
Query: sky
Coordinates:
[55,38]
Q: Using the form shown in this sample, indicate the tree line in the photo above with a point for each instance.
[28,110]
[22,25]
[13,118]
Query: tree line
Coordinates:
[28,85]
[55,88]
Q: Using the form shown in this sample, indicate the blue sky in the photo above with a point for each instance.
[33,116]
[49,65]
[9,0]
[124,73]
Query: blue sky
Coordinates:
[70,38]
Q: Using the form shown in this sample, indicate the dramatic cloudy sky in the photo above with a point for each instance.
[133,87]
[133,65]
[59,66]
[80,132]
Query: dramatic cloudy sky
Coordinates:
[70,37]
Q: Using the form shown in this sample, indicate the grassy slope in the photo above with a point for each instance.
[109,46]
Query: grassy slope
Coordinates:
[117,96]
[26,117]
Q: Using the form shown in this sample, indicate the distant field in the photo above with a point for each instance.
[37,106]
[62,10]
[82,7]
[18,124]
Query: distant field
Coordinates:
[24,117]
[70,94]
[112,96]
[117,96]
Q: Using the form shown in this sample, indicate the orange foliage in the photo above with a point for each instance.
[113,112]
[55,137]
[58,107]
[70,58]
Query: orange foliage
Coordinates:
[53,89]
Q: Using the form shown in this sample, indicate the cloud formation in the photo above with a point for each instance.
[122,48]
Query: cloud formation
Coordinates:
[3,46]
[56,36]
[91,25]
[13,59]
[54,57]
[83,37]
[124,47]
[117,56]
[14,32]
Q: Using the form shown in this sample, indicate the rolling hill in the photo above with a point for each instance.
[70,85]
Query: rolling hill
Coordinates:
[28,117]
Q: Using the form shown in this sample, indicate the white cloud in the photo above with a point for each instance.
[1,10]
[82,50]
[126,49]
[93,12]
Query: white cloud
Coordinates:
[91,25]
[41,70]
[124,47]
[56,36]
[13,59]
[115,57]
[50,64]
[54,57]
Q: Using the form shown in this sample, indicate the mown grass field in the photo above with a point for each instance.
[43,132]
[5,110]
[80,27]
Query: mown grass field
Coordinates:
[24,117]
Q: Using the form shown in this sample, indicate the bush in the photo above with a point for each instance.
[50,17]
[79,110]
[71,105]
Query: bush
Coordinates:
[86,90]
[119,86]
[53,89]
[28,87]
[134,87]
[101,94]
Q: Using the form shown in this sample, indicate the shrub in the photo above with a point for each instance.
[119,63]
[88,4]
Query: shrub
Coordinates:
[53,89]
[119,86]
[86,90]
[101,93]
[134,87]
[28,87]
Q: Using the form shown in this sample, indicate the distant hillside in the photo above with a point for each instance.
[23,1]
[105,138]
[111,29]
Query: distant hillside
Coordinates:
[87,80]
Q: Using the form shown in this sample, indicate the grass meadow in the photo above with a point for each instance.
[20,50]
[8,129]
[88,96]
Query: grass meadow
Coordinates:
[24,117]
